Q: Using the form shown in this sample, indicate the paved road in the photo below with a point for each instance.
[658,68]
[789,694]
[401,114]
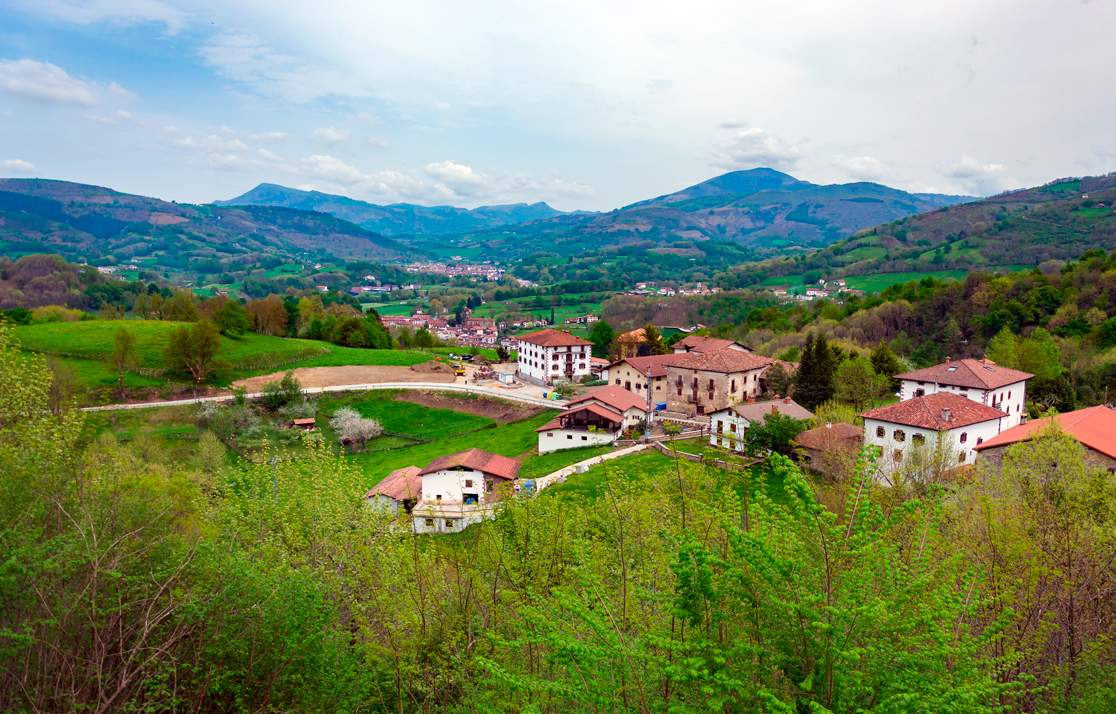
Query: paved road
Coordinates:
[436,386]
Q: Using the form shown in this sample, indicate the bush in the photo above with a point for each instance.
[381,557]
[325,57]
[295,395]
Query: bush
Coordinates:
[279,394]
[565,388]
[351,426]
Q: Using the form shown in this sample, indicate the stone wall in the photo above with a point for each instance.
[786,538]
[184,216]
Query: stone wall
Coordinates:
[723,395]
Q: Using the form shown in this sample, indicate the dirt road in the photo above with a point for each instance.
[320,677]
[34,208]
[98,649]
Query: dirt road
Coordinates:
[316,377]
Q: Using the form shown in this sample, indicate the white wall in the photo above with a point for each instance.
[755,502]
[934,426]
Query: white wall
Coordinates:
[1011,397]
[728,438]
[974,434]
[558,439]
[433,524]
[451,485]
[537,362]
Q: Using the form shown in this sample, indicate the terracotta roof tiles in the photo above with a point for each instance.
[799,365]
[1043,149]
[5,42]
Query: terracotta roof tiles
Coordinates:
[823,437]
[940,412]
[478,460]
[722,360]
[655,363]
[399,485]
[974,373]
[618,398]
[553,338]
[1094,427]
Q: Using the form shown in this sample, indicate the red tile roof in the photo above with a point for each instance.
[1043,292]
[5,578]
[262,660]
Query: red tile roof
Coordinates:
[975,373]
[824,436]
[758,411]
[553,338]
[700,343]
[929,412]
[618,398]
[483,461]
[722,360]
[635,335]
[1094,427]
[399,485]
[655,363]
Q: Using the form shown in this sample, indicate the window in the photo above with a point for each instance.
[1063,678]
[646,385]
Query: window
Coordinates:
[550,433]
[618,383]
[897,455]
[734,386]
[920,392]
[899,435]
[718,441]
[980,440]
[449,524]
[569,436]
[881,432]
[488,486]
[918,439]
[961,457]
[964,437]
[732,428]
[438,497]
[711,385]
[468,483]
[720,426]
[585,438]
[1009,394]
[429,523]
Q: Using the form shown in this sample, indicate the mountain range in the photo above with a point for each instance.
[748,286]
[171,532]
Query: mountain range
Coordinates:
[397,218]
[761,208]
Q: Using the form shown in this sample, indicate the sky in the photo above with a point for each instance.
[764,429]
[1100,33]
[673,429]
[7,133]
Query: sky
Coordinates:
[583,104]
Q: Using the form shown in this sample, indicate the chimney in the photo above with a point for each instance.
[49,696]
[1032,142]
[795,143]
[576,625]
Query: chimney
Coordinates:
[946,416]
[948,359]
[787,400]
[777,397]
[774,409]
[751,400]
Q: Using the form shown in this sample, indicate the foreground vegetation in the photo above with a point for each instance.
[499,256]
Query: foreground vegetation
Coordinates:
[132,581]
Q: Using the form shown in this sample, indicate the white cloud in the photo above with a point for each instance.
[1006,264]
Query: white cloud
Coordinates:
[754,147]
[18,165]
[85,12]
[213,142]
[43,82]
[251,61]
[458,178]
[377,143]
[119,116]
[268,156]
[861,168]
[974,177]
[328,135]
[272,137]
[330,169]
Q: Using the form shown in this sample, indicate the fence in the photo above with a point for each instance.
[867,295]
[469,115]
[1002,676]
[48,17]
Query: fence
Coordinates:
[286,360]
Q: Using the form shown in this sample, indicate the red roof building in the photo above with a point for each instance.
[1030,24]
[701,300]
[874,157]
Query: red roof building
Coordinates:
[1094,428]
[980,380]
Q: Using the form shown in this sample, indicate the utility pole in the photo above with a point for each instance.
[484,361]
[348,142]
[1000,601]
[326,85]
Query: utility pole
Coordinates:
[650,411]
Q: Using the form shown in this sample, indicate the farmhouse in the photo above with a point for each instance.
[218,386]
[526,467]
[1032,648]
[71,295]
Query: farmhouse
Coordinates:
[980,380]
[700,383]
[547,355]
[631,344]
[903,428]
[461,489]
[643,375]
[700,344]
[830,448]
[399,491]
[597,417]
[728,427]
[1094,428]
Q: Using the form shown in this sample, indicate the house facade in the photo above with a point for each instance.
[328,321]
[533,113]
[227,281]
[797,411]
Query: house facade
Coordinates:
[461,489]
[701,383]
[645,376]
[903,428]
[631,344]
[596,418]
[728,427]
[979,380]
[546,355]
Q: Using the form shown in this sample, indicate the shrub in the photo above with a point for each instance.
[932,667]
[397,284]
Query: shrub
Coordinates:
[351,426]
[279,394]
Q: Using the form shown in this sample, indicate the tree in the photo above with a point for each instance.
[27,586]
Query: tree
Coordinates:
[1003,348]
[193,349]
[886,364]
[123,357]
[858,383]
[814,381]
[281,393]
[352,427]
[601,337]
[231,318]
[654,340]
[423,339]
[1106,334]
[778,381]
[775,433]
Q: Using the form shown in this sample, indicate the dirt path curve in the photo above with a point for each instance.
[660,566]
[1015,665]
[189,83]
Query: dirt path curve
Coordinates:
[318,377]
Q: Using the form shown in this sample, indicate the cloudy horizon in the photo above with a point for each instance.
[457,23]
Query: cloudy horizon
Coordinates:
[582,105]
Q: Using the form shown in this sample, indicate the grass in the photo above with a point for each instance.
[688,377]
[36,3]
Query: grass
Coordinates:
[409,418]
[536,465]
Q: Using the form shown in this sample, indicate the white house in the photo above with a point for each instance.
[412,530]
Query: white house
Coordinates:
[980,380]
[547,355]
[899,429]
[399,491]
[728,427]
[461,489]
[597,417]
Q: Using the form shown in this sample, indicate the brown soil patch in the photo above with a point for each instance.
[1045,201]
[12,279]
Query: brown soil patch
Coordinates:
[314,377]
[432,367]
[480,406]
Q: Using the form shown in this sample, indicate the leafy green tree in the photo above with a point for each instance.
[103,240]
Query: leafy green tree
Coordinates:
[886,364]
[1004,348]
[423,339]
[193,349]
[858,383]
[601,337]
[231,318]
[1106,334]
[775,433]
[654,340]
[124,356]
[279,394]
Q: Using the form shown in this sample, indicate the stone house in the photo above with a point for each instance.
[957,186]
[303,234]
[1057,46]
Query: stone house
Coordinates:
[645,376]
[1094,428]
[399,491]
[701,383]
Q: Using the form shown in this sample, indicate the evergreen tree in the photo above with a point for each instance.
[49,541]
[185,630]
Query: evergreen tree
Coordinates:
[886,364]
[806,375]
[601,337]
[654,340]
[825,362]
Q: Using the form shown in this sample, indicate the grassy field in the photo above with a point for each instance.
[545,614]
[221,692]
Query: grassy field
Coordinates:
[876,283]
[408,418]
